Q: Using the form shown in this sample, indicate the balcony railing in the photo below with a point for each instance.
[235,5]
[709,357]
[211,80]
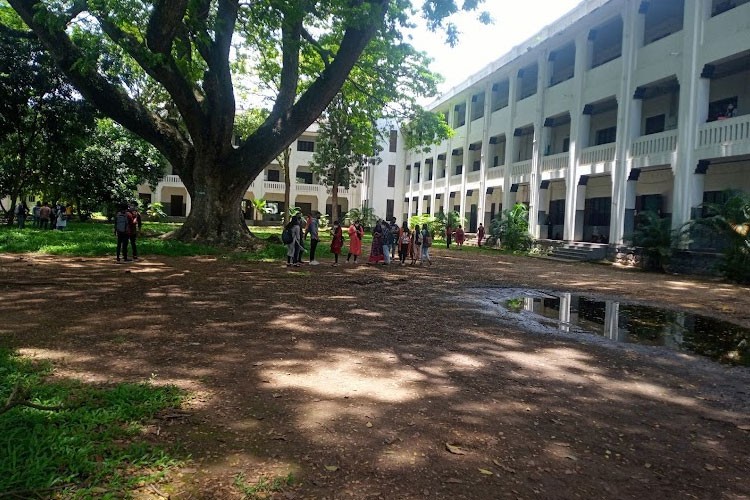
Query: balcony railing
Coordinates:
[308,188]
[172,179]
[663,142]
[598,154]
[555,162]
[724,131]
[495,172]
[473,176]
[521,168]
[273,186]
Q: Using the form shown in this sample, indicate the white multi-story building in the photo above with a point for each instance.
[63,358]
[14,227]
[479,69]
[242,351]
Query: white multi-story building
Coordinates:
[619,106]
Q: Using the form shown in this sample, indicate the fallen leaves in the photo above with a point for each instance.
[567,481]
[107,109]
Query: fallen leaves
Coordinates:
[454,449]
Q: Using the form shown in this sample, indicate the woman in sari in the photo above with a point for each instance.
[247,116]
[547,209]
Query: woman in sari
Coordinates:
[376,250]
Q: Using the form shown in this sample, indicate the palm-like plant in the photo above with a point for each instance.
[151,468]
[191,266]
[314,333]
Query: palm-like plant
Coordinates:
[731,221]
[655,235]
[443,220]
[511,229]
[366,215]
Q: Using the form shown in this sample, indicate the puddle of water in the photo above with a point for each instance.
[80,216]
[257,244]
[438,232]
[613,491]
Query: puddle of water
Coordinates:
[636,324]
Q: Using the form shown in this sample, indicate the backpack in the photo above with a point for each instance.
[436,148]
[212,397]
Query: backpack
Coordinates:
[121,222]
[286,236]
[405,238]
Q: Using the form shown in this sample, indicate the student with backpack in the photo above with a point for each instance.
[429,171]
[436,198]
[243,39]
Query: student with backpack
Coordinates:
[123,222]
[426,244]
[291,237]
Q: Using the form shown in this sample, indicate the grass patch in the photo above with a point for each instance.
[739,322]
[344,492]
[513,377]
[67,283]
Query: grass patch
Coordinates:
[95,239]
[92,447]
[263,487]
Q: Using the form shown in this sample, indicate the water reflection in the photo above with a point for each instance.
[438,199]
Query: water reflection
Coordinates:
[719,340]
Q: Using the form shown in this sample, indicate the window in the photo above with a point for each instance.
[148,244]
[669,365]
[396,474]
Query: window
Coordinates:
[655,124]
[500,93]
[722,109]
[393,141]
[459,169]
[308,146]
[476,166]
[273,175]
[304,178]
[391,176]
[606,135]
[388,209]
[459,115]
[597,211]
[566,145]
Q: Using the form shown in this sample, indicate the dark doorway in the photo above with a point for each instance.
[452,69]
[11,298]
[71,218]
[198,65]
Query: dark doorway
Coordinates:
[176,206]
[473,219]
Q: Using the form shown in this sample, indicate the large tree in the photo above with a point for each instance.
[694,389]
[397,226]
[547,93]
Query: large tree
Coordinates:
[125,56]
[42,121]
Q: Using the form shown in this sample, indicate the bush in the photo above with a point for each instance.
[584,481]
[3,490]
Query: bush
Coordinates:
[511,229]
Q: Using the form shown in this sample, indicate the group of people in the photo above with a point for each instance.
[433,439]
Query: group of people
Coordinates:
[127,224]
[44,215]
[459,236]
[388,238]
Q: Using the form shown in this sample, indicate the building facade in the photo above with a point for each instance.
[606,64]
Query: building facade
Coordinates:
[619,106]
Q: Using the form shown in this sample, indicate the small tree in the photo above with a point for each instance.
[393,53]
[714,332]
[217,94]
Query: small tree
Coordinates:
[730,221]
[366,215]
[443,220]
[657,238]
[511,229]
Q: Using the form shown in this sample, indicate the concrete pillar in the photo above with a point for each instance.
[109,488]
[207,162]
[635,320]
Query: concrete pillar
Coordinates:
[511,145]
[540,134]
[484,156]
[628,119]
[580,205]
[694,95]
[466,158]
[579,133]
[612,321]
[542,209]
[630,195]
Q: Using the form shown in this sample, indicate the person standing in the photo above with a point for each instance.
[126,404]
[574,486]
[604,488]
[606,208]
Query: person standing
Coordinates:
[293,248]
[426,244]
[312,229]
[21,211]
[121,231]
[387,243]
[395,230]
[337,242]
[355,241]
[460,236]
[134,227]
[62,220]
[35,213]
[45,213]
[404,240]
[416,245]
[448,236]
[480,234]
[376,249]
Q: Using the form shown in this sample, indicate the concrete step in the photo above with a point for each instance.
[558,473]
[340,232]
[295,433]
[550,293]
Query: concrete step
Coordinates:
[580,251]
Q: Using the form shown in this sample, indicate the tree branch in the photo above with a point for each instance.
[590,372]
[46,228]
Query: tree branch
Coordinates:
[163,69]
[165,21]
[291,32]
[111,99]
[324,53]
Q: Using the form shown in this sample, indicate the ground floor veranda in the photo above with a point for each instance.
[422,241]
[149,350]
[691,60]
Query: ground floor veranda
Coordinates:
[593,208]
[309,198]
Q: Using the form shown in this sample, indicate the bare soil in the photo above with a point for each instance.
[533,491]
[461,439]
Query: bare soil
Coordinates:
[377,382]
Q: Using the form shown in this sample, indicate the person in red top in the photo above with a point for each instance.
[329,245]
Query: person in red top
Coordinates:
[460,236]
[337,241]
[355,241]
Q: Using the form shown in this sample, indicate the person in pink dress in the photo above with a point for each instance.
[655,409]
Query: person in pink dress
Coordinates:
[355,241]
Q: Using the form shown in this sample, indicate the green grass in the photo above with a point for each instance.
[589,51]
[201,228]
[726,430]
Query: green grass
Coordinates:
[95,239]
[263,487]
[92,447]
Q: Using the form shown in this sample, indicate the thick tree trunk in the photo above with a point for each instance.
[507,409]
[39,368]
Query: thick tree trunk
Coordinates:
[334,202]
[215,216]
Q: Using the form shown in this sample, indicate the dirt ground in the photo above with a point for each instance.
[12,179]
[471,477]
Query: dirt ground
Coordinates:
[376,382]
